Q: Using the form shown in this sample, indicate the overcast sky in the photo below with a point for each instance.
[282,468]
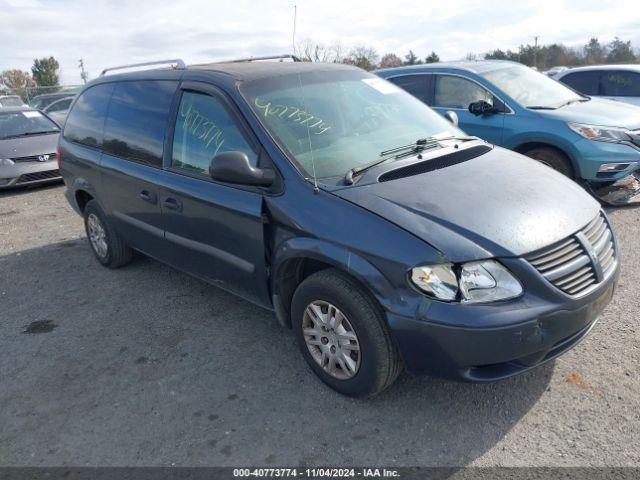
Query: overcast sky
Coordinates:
[115,32]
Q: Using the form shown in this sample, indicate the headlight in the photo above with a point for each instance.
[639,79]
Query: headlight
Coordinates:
[603,134]
[473,282]
[5,162]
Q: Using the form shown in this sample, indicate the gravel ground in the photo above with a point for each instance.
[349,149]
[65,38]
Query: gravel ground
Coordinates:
[148,366]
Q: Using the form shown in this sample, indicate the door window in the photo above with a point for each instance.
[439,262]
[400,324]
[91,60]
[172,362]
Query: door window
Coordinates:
[85,123]
[584,82]
[204,128]
[416,85]
[458,92]
[620,84]
[138,119]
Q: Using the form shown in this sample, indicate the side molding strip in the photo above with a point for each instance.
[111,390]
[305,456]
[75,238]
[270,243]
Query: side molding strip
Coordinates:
[237,262]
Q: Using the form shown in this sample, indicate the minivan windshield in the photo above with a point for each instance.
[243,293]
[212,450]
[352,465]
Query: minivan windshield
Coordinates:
[531,89]
[23,123]
[332,121]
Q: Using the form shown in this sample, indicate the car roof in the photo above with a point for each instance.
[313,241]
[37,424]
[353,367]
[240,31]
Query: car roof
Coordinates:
[57,94]
[9,96]
[239,71]
[473,66]
[586,68]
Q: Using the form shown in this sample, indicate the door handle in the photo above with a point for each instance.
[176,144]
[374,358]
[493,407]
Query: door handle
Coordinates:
[171,203]
[148,196]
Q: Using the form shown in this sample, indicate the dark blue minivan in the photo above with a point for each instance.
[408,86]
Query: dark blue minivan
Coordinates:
[381,234]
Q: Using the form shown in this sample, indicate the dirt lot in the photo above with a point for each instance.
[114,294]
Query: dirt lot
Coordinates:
[148,366]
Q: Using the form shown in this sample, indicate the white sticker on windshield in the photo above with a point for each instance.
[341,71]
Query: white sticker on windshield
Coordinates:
[31,114]
[381,85]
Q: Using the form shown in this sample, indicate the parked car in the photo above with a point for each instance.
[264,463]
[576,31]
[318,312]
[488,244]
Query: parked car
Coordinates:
[28,142]
[11,101]
[554,70]
[615,82]
[43,101]
[59,109]
[511,105]
[381,234]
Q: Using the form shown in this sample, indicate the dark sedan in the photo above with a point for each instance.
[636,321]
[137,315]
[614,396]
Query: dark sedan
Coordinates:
[28,140]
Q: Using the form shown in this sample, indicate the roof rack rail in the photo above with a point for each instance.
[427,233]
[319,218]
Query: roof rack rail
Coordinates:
[268,57]
[176,64]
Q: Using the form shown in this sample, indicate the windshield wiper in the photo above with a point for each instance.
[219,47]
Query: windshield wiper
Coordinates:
[28,134]
[418,146]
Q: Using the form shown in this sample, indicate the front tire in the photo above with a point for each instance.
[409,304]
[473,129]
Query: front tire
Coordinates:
[106,244]
[552,158]
[343,335]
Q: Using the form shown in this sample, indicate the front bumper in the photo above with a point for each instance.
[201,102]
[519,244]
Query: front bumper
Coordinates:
[592,154]
[28,173]
[511,337]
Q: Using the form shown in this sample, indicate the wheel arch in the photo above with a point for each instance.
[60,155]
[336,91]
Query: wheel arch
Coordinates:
[299,258]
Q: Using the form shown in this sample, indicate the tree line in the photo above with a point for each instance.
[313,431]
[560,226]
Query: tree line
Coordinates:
[43,78]
[541,57]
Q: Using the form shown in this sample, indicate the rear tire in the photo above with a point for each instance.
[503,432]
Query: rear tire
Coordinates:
[374,362]
[552,158]
[106,244]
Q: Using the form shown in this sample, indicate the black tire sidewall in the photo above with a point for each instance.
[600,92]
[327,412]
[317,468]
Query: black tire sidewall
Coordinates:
[366,381]
[553,159]
[93,208]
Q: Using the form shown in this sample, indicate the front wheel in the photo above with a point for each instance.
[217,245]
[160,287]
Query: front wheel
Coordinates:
[552,158]
[343,335]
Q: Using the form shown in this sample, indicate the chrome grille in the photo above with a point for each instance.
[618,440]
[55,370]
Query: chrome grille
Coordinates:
[581,261]
[34,158]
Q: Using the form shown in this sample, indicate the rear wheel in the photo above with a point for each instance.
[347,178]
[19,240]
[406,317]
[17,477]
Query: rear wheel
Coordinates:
[343,336]
[106,244]
[552,158]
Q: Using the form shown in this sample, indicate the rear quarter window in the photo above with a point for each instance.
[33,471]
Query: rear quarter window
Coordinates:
[85,123]
[137,120]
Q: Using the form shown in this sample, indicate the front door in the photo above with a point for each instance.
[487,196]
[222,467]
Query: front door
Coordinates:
[456,93]
[215,230]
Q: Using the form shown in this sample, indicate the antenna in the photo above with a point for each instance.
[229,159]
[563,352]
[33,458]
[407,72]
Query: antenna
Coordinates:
[293,38]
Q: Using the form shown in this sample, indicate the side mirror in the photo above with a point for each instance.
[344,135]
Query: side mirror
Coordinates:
[234,167]
[452,117]
[481,107]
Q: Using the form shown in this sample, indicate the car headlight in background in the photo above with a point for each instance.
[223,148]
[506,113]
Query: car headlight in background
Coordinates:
[473,282]
[603,134]
[6,162]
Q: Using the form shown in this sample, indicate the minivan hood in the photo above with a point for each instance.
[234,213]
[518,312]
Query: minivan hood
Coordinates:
[499,204]
[28,146]
[598,111]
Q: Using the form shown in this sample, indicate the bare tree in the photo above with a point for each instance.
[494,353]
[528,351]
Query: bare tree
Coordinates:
[363,57]
[310,51]
[390,60]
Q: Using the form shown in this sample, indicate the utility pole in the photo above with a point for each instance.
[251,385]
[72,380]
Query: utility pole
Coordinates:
[535,52]
[83,74]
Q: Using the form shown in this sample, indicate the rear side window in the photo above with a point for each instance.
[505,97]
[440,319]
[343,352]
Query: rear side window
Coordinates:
[205,127]
[137,120]
[416,85]
[85,122]
[457,92]
[620,84]
[583,82]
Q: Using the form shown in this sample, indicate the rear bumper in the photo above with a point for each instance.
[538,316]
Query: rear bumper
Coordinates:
[28,173]
[540,332]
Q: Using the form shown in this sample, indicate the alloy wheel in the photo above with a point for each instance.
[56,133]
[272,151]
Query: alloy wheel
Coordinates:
[331,339]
